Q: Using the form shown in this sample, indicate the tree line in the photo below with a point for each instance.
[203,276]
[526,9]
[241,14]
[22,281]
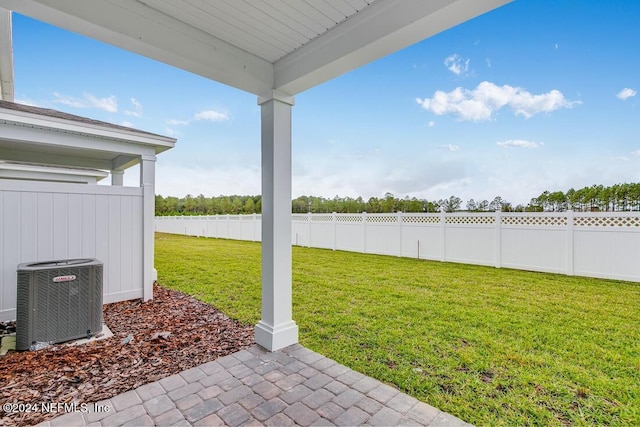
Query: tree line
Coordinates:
[619,197]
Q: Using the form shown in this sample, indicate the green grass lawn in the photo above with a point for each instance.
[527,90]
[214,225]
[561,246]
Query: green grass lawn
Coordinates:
[491,346]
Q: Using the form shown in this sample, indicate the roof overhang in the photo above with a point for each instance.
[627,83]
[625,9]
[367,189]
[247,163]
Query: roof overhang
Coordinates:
[40,172]
[346,33]
[36,135]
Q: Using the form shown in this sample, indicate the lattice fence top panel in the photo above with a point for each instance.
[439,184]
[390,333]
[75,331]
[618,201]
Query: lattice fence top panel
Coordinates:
[471,220]
[382,219]
[300,218]
[606,221]
[348,218]
[322,218]
[419,219]
[540,221]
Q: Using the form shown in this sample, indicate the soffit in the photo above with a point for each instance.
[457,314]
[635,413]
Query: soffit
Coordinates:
[254,45]
[267,29]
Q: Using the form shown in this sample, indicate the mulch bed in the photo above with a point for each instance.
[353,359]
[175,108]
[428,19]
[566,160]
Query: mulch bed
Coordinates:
[170,333]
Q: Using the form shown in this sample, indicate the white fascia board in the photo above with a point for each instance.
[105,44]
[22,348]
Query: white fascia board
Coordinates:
[131,25]
[382,28]
[93,130]
[6,56]
[43,138]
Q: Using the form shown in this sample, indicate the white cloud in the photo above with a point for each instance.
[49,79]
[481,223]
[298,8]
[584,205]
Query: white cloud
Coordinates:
[450,147]
[213,116]
[626,93]
[456,64]
[519,143]
[126,123]
[209,115]
[480,103]
[137,109]
[431,124]
[635,153]
[108,104]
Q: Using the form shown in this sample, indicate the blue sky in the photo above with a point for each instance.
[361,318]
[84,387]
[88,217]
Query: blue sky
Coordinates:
[536,95]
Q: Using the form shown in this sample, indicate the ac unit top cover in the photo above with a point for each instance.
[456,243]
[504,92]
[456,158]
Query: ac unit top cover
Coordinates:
[47,265]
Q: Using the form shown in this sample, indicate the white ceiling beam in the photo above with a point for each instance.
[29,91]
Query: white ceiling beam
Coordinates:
[133,26]
[122,162]
[381,28]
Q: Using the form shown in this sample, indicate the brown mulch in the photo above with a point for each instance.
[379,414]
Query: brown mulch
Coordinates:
[171,333]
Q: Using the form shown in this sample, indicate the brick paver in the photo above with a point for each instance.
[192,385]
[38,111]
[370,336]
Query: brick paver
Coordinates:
[159,405]
[253,387]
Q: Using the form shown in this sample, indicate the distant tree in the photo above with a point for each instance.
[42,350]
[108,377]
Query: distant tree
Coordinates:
[618,197]
[249,206]
[472,205]
[496,204]
[557,201]
[454,203]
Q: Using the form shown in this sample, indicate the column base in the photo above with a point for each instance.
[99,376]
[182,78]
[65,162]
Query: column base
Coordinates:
[275,338]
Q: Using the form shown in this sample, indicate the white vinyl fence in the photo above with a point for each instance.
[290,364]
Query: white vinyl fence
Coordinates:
[602,244]
[42,221]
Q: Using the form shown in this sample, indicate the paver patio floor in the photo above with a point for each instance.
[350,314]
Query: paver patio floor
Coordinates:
[293,386]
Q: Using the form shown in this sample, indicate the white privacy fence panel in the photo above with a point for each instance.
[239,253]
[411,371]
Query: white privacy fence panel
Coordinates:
[607,246]
[42,221]
[237,227]
[535,241]
[596,244]
[470,238]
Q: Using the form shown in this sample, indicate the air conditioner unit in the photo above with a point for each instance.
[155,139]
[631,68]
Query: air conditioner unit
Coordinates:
[58,301]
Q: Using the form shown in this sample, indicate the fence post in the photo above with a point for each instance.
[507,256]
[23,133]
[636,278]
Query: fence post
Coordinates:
[443,236]
[334,219]
[570,243]
[309,219]
[400,234]
[228,221]
[498,253]
[364,232]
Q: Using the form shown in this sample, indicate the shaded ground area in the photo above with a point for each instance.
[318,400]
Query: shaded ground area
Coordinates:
[152,340]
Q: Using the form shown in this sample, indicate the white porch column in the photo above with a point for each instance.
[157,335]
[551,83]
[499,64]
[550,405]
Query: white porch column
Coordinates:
[277,329]
[117,178]
[147,182]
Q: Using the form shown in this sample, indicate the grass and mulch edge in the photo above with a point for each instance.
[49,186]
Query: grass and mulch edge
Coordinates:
[152,340]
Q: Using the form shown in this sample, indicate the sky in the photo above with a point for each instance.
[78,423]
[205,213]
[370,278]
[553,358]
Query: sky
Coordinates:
[536,95]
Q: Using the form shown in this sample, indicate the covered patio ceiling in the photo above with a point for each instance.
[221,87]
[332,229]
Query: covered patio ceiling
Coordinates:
[258,46]
[274,49]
